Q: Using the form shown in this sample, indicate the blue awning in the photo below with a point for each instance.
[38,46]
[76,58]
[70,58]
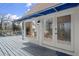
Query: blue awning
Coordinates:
[50,10]
[66,6]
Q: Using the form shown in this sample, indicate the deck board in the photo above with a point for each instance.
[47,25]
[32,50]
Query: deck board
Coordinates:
[1,52]
[15,49]
[5,49]
[11,46]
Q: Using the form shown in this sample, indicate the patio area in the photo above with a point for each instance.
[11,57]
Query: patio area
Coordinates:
[15,46]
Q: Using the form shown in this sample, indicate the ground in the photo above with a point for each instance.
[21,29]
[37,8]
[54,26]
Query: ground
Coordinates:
[15,46]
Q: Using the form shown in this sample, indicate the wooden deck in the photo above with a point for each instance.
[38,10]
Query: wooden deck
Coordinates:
[11,46]
[15,46]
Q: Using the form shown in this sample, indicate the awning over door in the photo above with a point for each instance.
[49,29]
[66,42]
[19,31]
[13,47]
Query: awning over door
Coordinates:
[50,10]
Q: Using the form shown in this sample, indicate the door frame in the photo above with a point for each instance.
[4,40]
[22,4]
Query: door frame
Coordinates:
[71,12]
[29,39]
[53,43]
[54,16]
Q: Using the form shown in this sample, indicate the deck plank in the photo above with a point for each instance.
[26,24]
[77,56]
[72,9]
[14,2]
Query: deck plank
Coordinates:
[6,50]
[19,50]
[12,46]
[1,52]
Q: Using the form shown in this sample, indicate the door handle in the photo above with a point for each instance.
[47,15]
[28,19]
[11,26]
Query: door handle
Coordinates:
[55,28]
[56,33]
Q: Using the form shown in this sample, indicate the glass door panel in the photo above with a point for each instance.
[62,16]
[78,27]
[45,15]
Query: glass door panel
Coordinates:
[64,40]
[64,28]
[48,31]
[31,29]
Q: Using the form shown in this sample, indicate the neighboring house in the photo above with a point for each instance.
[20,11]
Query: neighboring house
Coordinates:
[7,25]
[54,26]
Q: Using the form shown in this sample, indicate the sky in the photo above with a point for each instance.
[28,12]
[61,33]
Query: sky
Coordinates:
[15,9]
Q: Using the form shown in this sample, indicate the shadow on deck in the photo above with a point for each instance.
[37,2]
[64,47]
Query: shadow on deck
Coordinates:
[37,50]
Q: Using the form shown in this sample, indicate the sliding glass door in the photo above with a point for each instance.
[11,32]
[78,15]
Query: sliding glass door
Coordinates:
[57,32]
[64,28]
[31,30]
[64,32]
[48,31]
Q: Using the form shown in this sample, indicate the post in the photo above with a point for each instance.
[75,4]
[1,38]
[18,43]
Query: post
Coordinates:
[23,30]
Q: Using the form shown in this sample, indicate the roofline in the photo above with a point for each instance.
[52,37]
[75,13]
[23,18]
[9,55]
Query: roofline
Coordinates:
[37,13]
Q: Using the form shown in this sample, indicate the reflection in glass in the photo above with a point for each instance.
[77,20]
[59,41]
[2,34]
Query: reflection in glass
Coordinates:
[48,30]
[30,29]
[64,28]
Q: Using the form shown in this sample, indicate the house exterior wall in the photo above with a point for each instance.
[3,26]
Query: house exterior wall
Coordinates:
[74,12]
[76,33]
[74,15]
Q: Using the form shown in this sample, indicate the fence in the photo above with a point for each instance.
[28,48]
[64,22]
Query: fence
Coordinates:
[9,33]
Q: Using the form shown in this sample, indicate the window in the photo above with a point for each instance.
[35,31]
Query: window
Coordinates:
[48,30]
[64,28]
[31,29]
